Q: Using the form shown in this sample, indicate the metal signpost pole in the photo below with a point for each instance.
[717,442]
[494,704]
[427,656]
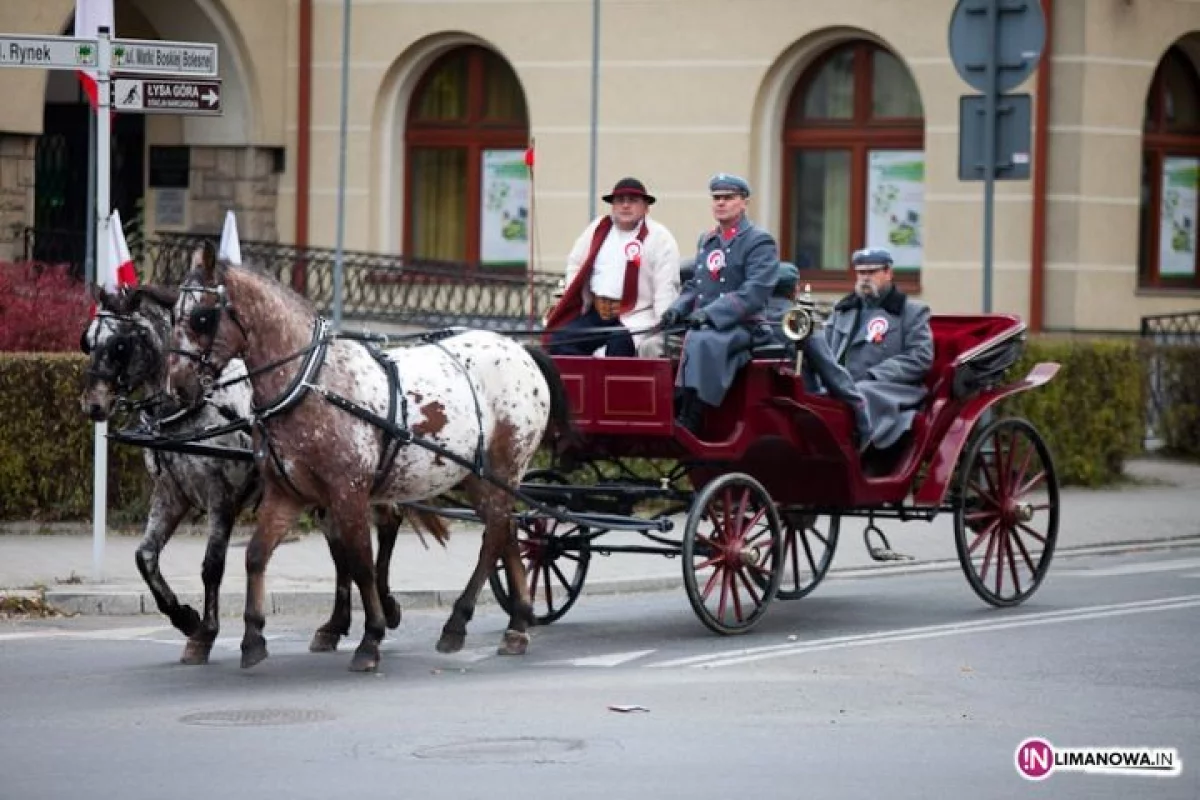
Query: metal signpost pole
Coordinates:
[338,266]
[989,152]
[103,270]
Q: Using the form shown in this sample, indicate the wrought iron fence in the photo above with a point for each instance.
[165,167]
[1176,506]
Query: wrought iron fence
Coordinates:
[376,287]
[1165,330]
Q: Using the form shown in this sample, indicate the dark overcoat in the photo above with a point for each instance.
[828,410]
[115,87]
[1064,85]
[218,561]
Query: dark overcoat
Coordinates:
[888,350]
[734,278]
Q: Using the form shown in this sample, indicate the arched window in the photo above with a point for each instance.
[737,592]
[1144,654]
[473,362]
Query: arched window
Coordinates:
[1170,170]
[466,184]
[854,164]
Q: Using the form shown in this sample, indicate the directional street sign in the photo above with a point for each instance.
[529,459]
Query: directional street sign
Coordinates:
[1012,137]
[47,52]
[177,59]
[167,96]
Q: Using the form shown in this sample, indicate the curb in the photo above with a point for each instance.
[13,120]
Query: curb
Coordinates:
[314,598]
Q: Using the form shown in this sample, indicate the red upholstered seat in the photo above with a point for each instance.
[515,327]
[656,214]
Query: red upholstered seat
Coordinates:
[954,335]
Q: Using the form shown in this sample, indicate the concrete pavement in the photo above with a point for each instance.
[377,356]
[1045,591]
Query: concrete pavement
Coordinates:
[1159,507]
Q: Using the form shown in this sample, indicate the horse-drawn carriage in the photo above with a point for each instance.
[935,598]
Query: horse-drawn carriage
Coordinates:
[338,424]
[764,494]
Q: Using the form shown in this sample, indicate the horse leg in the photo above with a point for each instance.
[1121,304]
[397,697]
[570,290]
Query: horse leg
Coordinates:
[326,638]
[387,527]
[516,637]
[167,509]
[276,515]
[494,507]
[220,522]
[353,523]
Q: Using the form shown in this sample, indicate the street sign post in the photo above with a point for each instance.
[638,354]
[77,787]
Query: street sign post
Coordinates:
[181,61]
[47,52]
[995,45]
[176,59]
[165,96]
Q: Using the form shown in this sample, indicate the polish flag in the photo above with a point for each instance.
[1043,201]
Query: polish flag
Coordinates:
[90,16]
[120,262]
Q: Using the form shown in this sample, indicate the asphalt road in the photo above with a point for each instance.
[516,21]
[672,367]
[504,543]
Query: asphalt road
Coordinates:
[901,686]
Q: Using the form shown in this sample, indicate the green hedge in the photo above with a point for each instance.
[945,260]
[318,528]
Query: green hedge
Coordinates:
[1179,421]
[46,445]
[1093,414]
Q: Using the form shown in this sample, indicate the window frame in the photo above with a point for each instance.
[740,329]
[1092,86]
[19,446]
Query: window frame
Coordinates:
[475,133]
[1159,144]
[860,134]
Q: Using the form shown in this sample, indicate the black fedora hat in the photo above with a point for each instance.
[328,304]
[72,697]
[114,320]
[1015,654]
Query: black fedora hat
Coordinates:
[629,186]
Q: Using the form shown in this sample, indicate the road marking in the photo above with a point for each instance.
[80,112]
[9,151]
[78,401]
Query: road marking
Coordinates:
[751,654]
[1144,567]
[112,634]
[607,660]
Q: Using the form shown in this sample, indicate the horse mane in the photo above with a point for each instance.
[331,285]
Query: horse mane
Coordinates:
[293,299]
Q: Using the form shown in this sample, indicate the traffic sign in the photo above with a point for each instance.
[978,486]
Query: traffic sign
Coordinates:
[47,52]
[1012,137]
[166,96]
[153,57]
[1013,32]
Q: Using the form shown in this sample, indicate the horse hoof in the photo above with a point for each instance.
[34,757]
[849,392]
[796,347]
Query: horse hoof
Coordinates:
[391,612]
[186,621]
[515,643]
[365,661]
[451,642]
[195,653]
[253,654]
[324,642]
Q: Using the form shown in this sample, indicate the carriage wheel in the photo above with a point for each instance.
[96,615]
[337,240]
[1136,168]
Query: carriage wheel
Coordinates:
[554,567]
[807,552]
[1006,512]
[731,553]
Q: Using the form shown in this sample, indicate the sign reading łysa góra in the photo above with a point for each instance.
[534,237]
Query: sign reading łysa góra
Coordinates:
[183,96]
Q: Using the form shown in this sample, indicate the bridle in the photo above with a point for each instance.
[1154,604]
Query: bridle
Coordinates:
[204,321]
[121,346]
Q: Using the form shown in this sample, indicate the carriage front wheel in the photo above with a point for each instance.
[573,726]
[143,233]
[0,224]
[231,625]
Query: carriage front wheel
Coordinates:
[1006,512]
[732,553]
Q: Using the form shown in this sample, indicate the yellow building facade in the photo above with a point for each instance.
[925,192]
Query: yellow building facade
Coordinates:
[842,114]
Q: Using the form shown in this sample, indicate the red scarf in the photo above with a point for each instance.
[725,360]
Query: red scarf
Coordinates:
[571,302]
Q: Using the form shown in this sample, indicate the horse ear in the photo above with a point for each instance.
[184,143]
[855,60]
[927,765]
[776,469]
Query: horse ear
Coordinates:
[99,294]
[208,262]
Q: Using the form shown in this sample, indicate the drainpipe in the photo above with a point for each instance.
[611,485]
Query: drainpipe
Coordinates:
[1037,261]
[303,133]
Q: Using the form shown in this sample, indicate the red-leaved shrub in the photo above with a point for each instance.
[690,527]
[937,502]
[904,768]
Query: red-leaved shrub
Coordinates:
[42,308]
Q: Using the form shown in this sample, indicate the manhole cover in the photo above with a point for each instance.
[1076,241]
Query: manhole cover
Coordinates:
[529,749]
[246,718]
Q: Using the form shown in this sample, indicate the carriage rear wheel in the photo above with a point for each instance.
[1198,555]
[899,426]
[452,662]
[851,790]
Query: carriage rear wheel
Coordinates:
[809,543]
[556,556]
[732,547]
[1006,512]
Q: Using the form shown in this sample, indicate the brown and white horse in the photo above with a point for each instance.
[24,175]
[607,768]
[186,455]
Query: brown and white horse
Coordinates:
[480,403]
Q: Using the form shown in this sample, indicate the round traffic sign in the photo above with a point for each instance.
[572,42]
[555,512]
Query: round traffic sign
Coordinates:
[1011,31]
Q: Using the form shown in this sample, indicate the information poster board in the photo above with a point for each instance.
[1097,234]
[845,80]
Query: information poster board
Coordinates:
[896,205]
[504,223]
[1177,221]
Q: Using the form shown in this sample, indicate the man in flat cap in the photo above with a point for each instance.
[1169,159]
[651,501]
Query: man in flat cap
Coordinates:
[736,266]
[884,340]
[622,275]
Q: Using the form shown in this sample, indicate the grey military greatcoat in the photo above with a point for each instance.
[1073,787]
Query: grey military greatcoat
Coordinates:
[888,349]
[733,280]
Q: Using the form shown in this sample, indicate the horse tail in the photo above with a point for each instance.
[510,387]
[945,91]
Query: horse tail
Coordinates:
[423,522]
[561,425]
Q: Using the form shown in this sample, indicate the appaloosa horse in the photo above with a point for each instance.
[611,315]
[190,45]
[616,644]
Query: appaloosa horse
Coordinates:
[127,343]
[342,425]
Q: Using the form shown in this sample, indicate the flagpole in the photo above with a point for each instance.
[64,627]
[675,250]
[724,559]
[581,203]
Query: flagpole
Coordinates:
[89,253]
[100,221]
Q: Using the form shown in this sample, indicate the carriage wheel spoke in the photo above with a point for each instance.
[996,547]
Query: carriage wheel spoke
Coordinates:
[562,579]
[1031,485]
[1024,553]
[710,584]
[987,556]
[813,530]
[1012,562]
[979,537]
[549,590]
[1032,532]
[985,495]
[1019,475]
[749,584]
[736,594]
[725,582]
[1001,540]
[812,563]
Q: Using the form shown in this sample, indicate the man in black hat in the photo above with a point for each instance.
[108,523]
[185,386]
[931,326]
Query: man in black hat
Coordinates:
[737,264]
[622,276]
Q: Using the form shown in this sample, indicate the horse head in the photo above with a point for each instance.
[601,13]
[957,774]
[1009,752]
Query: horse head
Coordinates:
[125,343]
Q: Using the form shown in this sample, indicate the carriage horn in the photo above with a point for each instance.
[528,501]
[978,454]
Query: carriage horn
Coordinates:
[797,323]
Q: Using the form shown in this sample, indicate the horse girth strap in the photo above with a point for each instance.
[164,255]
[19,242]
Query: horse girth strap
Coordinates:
[391,443]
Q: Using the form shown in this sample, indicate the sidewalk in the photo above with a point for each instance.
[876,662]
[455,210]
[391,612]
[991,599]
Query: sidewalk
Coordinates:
[1161,505]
